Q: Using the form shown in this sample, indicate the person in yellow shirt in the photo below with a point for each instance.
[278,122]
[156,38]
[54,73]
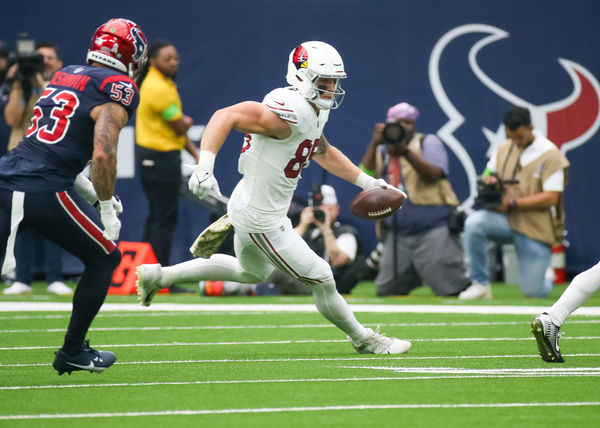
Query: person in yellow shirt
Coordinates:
[160,130]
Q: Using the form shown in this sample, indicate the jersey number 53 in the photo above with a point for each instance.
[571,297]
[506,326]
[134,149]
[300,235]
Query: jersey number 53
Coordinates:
[59,118]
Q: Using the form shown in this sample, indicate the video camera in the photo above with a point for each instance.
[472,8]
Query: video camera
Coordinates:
[489,195]
[315,199]
[30,62]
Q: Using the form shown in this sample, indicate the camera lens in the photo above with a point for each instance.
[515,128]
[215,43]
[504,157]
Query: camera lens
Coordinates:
[393,133]
[319,215]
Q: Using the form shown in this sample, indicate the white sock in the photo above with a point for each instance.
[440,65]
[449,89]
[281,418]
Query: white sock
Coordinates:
[219,267]
[583,286]
[333,307]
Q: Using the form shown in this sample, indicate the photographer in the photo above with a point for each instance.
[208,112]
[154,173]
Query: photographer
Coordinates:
[530,177]
[419,247]
[25,81]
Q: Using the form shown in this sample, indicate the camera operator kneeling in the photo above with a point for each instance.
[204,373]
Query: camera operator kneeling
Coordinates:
[531,175]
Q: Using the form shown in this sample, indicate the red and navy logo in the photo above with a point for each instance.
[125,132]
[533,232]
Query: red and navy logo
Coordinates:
[139,43]
[300,57]
[568,122]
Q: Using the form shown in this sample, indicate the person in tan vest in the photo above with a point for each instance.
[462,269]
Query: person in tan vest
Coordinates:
[531,214]
[418,245]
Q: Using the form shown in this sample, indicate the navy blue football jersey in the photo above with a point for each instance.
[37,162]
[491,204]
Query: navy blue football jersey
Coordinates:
[60,139]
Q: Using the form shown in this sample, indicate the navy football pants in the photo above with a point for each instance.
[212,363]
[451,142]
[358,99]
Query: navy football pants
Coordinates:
[68,220]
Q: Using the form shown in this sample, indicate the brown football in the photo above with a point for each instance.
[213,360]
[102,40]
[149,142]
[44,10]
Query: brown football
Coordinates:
[376,203]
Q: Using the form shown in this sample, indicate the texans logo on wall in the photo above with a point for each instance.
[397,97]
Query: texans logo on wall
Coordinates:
[569,122]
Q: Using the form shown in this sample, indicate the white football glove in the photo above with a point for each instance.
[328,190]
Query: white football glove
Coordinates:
[108,216]
[367,182]
[117,204]
[202,182]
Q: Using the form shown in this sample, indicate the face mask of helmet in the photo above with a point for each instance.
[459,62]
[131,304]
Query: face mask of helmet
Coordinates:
[311,61]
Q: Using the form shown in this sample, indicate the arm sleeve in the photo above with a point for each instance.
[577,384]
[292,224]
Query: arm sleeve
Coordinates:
[555,183]
[347,243]
[285,104]
[553,174]
[121,89]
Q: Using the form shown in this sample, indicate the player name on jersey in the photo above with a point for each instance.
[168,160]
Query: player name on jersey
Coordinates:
[70,80]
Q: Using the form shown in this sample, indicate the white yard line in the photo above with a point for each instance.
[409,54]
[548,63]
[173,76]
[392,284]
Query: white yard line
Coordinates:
[291,326]
[296,409]
[429,372]
[558,371]
[445,309]
[297,360]
[290,342]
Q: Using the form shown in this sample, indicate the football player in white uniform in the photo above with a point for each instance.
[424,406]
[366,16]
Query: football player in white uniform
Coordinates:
[546,326]
[283,133]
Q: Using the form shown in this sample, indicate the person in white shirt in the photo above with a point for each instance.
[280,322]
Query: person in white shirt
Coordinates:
[530,215]
[283,133]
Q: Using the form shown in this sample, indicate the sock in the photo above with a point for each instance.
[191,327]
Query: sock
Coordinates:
[219,267]
[333,307]
[583,286]
[88,298]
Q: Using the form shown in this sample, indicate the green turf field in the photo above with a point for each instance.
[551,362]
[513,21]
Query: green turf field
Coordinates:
[229,366]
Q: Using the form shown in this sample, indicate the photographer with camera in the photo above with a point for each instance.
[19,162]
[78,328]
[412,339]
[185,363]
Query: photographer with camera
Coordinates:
[522,194]
[419,248]
[25,81]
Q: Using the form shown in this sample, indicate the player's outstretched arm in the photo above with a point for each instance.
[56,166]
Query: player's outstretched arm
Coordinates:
[247,117]
[335,162]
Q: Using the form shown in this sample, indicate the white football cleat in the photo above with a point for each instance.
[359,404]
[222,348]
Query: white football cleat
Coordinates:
[148,282]
[476,291]
[375,343]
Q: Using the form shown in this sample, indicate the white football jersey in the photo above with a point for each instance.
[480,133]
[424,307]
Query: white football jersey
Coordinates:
[271,168]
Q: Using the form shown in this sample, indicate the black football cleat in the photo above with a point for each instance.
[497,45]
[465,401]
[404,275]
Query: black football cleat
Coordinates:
[89,359]
[546,335]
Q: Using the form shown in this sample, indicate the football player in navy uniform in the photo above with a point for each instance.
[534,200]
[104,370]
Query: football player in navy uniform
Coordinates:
[78,118]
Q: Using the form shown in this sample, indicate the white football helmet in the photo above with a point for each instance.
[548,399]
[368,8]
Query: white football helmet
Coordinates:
[310,61]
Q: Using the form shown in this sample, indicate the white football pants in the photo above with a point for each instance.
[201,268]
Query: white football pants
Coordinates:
[257,255]
[581,288]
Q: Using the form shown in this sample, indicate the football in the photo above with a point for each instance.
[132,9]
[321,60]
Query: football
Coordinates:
[376,203]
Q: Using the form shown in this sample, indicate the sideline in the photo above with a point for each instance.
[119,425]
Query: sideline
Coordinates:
[218,307]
